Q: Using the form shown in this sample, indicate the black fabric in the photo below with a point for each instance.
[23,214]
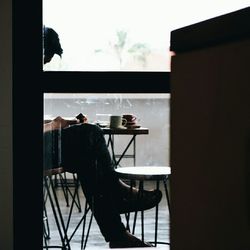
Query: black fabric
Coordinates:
[84,151]
[51,149]
[51,45]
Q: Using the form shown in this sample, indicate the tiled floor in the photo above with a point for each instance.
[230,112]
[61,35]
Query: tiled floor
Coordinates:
[96,240]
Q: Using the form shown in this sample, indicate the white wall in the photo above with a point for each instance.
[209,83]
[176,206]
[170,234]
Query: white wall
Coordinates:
[152,110]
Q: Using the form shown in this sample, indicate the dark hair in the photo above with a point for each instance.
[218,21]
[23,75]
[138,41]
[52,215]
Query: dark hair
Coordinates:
[51,44]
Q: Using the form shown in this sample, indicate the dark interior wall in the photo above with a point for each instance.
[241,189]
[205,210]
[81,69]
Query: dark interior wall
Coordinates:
[210,110]
[209,198]
[6,207]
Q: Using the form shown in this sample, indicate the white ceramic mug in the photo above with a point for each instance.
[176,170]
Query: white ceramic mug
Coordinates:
[116,121]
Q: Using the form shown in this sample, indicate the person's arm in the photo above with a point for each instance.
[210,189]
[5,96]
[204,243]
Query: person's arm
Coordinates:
[58,123]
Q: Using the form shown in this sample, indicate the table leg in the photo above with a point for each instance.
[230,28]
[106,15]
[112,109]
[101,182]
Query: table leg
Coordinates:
[156,215]
[167,195]
[142,211]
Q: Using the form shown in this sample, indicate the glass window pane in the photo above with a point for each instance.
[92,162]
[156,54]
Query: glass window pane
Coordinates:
[122,35]
[147,117]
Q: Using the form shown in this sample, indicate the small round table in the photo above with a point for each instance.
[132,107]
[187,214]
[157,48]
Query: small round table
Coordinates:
[144,173]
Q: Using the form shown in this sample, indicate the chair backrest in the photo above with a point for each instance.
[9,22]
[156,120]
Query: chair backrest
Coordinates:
[52,149]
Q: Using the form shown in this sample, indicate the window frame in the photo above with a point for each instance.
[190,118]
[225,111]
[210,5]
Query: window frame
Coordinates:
[29,85]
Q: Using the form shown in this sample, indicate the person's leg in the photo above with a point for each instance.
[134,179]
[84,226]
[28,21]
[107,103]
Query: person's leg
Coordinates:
[84,151]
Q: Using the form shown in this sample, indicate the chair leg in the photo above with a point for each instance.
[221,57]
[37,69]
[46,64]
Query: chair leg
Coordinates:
[58,217]
[156,215]
[79,223]
[167,195]
[134,223]
[74,196]
[77,185]
[140,193]
[87,236]
[141,187]
[70,211]
[84,224]
[67,192]
[45,242]
[61,219]
[46,228]
[65,188]
[83,220]
[127,217]
[142,211]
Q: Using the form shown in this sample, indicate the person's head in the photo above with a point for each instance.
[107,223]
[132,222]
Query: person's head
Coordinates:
[51,44]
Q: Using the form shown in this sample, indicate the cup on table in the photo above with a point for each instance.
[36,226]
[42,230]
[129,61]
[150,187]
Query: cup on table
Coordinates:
[130,118]
[117,121]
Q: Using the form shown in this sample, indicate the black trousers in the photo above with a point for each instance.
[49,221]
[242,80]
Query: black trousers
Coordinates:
[83,151]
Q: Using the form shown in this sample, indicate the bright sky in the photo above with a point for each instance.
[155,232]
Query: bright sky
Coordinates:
[135,13]
[92,24]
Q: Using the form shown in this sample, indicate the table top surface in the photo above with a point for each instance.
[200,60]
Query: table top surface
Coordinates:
[144,172]
[125,131]
[114,131]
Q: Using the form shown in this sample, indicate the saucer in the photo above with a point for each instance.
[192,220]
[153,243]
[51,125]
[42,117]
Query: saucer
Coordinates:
[121,127]
[131,123]
[133,126]
[102,125]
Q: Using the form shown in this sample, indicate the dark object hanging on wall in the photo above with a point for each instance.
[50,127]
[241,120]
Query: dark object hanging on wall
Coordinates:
[51,43]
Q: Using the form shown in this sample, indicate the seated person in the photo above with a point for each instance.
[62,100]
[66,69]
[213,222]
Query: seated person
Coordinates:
[84,151]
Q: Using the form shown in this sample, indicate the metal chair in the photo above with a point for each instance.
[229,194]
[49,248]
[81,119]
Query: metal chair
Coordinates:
[83,220]
[55,206]
[52,159]
[52,169]
[147,173]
